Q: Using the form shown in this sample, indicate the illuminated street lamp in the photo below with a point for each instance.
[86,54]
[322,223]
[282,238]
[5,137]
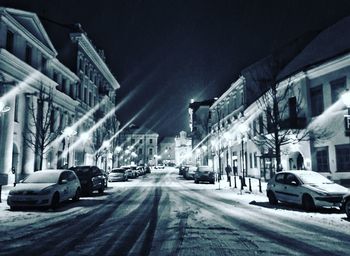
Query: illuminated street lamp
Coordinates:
[3,108]
[68,133]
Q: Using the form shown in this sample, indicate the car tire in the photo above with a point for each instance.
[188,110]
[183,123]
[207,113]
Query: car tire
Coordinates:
[55,201]
[196,181]
[347,208]
[101,190]
[272,198]
[77,195]
[212,182]
[14,208]
[308,203]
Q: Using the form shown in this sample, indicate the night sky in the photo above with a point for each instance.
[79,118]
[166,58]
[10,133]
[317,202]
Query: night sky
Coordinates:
[163,53]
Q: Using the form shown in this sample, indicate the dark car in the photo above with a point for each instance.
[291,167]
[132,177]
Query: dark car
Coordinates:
[345,204]
[190,172]
[91,178]
[204,173]
[147,169]
[182,169]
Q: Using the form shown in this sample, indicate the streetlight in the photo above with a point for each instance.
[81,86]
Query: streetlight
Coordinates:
[69,132]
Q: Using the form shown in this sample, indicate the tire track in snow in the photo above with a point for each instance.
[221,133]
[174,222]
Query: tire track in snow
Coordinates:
[291,243]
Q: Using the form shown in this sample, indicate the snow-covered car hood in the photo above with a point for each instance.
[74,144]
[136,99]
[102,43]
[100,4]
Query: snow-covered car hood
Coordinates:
[35,187]
[328,188]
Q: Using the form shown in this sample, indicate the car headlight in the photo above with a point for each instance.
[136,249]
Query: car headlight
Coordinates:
[45,191]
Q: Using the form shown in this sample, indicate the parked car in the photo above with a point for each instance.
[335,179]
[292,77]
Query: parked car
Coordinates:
[182,169]
[306,188]
[204,173]
[132,173]
[190,172]
[45,188]
[91,178]
[118,174]
[345,204]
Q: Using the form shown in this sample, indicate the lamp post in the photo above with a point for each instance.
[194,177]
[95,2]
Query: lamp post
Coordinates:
[243,128]
[69,132]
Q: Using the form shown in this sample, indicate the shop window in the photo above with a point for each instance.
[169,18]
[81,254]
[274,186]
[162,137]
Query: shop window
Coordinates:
[316,95]
[322,159]
[343,157]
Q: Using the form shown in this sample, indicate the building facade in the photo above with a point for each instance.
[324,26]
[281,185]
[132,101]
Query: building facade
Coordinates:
[183,149]
[138,146]
[39,99]
[167,150]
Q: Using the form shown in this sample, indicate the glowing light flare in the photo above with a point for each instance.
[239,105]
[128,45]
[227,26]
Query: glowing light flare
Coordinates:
[20,87]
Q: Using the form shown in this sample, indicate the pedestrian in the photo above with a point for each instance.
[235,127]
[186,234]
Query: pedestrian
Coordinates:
[228,170]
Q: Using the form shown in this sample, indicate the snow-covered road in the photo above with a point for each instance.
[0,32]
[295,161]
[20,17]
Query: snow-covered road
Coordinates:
[162,214]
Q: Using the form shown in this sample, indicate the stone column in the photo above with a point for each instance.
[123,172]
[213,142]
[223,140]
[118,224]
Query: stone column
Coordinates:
[6,133]
[28,150]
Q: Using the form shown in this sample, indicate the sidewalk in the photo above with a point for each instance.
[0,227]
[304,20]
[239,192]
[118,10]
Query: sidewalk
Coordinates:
[253,188]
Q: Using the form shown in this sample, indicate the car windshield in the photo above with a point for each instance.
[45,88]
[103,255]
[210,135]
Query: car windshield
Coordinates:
[81,171]
[118,171]
[42,177]
[313,178]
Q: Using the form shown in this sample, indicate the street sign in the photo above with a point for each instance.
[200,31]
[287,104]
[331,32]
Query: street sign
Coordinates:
[347,125]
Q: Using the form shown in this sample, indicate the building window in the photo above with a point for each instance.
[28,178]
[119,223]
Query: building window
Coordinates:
[132,141]
[292,104]
[150,151]
[140,141]
[55,77]
[16,109]
[140,151]
[63,87]
[322,162]
[52,120]
[9,41]
[269,119]
[343,157]
[28,54]
[255,160]
[251,160]
[150,141]
[316,95]
[254,128]
[90,99]
[337,88]
[43,67]
[85,95]
[261,124]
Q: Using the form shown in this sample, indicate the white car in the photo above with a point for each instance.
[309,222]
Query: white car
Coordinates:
[45,188]
[306,188]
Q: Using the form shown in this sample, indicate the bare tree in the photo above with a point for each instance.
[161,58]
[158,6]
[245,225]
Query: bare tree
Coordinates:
[282,115]
[40,131]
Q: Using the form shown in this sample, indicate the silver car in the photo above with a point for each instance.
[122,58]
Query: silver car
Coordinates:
[306,188]
[118,174]
[45,188]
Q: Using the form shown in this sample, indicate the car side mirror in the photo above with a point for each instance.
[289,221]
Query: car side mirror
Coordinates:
[63,181]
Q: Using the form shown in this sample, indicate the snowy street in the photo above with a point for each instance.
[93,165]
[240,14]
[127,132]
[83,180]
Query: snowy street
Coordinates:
[163,214]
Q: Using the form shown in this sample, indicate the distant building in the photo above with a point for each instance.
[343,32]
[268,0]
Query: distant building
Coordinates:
[199,115]
[139,146]
[183,149]
[167,150]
